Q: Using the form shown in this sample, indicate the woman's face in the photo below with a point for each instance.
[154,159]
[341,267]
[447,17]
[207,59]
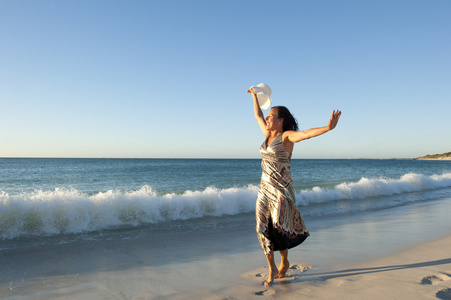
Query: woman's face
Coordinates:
[272,120]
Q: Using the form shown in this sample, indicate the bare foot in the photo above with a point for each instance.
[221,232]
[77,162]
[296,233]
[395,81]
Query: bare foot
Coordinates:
[282,270]
[270,280]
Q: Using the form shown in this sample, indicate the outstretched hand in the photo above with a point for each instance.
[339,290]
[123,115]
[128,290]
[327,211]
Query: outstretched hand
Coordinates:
[334,119]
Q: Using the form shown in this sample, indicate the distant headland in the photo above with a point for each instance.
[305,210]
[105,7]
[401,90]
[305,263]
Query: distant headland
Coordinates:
[444,156]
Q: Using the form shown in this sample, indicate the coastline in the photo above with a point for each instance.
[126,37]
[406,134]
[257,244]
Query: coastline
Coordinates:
[352,257]
[441,158]
[374,256]
[421,272]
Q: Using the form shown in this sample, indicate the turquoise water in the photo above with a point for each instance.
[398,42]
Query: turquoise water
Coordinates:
[59,197]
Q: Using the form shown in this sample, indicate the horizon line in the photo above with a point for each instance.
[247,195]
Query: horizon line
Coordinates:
[76,157]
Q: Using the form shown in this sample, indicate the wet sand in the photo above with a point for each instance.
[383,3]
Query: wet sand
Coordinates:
[401,253]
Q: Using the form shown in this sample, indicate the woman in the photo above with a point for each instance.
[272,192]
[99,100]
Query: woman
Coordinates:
[279,224]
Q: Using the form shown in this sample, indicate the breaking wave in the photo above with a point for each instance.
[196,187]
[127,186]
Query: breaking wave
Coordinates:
[67,210]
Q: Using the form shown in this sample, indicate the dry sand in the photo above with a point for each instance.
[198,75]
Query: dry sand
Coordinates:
[423,272]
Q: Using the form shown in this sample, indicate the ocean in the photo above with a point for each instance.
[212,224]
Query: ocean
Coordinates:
[68,199]
[185,228]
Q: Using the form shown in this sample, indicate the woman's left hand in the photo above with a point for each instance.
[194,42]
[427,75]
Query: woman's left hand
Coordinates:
[334,119]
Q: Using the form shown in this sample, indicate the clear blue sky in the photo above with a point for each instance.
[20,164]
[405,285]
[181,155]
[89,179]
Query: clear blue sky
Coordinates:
[158,79]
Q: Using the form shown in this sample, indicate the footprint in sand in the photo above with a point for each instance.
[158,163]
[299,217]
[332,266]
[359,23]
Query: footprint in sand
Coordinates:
[264,292]
[292,275]
[301,268]
[260,293]
[444,294]
[435,279]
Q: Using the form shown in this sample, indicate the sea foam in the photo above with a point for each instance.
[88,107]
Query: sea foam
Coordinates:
[67,210]
[372,187]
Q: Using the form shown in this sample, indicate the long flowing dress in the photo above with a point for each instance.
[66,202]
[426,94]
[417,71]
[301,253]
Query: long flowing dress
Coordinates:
[279,223]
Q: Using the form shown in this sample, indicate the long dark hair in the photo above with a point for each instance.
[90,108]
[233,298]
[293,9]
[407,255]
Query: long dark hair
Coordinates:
[289,122]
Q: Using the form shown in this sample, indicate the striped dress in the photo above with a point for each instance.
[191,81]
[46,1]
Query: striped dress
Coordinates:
[279,223]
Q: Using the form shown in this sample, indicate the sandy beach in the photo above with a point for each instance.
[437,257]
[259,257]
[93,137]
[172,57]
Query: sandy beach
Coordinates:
[422,272]
[401,253]
[398,267]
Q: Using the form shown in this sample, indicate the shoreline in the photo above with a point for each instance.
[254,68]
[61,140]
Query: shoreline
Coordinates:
[443,158]
[421,272]
[387,264]
[347,257]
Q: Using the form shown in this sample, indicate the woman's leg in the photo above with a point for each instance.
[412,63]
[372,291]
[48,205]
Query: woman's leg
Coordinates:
[272,269]
[284,264]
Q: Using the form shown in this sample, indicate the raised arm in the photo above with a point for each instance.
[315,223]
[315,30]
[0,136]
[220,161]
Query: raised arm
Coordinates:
[297,136]
[258,113]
